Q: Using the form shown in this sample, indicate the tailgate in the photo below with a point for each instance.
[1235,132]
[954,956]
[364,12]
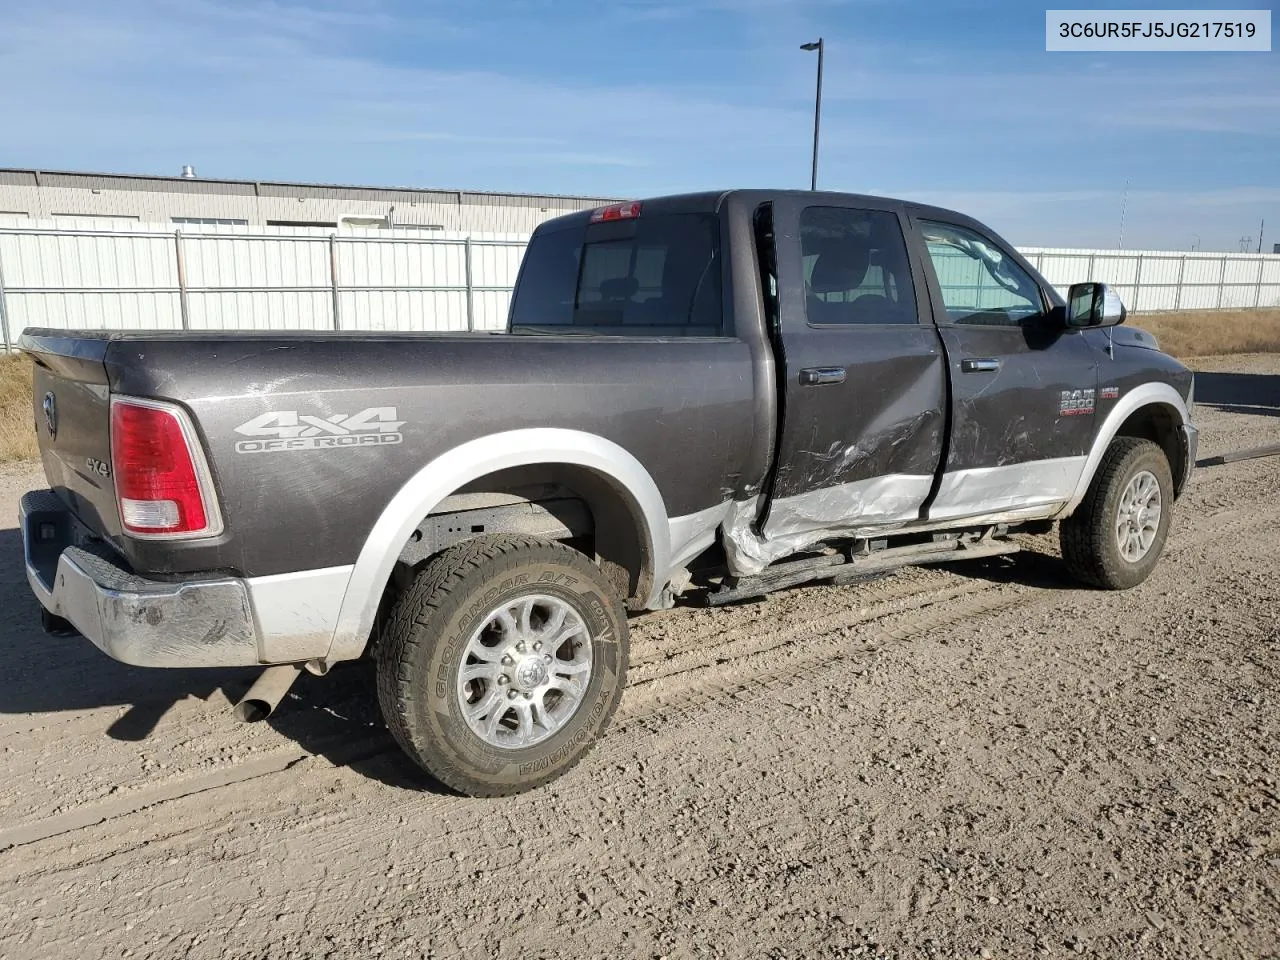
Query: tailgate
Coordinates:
[72,408]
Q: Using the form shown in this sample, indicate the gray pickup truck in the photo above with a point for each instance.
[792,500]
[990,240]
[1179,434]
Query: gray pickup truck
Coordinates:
[707,396]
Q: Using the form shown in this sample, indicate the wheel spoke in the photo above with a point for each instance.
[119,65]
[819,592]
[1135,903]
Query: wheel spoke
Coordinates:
[543,715]
[479,671]
[555,623]
[524,721]
[526,617]
[494,722]
[481,709]
[481,652]
[508,622]
[569,667]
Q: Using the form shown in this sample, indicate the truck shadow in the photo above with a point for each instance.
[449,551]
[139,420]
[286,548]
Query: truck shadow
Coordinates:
[335,717]
[1027,568]
[1248,393]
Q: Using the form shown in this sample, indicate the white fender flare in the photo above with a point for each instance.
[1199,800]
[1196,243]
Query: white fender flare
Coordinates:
[458,467]
[1146,395]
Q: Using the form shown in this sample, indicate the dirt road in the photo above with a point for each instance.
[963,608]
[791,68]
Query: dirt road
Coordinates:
[981,760]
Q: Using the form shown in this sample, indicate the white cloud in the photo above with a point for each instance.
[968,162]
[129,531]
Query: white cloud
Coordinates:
[297,90]
[1153,219]
[247,94]
[1227,94]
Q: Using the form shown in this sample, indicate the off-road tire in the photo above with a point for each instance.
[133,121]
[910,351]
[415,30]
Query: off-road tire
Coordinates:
[1088,537]
[421,652]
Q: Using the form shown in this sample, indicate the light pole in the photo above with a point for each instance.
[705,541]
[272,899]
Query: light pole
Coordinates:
[817,110]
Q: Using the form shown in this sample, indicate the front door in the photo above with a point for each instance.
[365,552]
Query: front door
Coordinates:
[864,382]
[1024,388]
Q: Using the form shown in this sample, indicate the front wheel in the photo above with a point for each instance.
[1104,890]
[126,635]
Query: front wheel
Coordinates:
[502,664]
[1116,536]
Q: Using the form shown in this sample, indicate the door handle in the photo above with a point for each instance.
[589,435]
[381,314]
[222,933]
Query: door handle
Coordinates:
[812,376]
[980,365]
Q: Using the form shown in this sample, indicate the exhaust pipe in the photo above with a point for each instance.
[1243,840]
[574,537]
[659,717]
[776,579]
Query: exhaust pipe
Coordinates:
[266,693]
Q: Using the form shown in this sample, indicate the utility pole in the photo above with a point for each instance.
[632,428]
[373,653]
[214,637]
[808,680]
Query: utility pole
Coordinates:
[1262,226]
[817,109]
[1124,205]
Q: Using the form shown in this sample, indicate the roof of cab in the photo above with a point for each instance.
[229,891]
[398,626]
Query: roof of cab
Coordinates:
[710,202]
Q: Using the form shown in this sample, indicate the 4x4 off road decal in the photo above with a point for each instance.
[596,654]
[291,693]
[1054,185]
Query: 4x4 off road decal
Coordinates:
[281,431]
[1076,402]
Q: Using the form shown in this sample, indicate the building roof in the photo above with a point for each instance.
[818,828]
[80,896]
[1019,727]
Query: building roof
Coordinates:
[277,188]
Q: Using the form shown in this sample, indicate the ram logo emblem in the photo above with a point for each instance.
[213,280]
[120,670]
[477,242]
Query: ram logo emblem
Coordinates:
[1075,403]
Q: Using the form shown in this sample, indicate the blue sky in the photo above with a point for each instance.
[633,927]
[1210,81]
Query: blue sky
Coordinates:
[952,103]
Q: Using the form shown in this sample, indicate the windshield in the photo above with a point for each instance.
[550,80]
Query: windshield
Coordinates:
[653,275]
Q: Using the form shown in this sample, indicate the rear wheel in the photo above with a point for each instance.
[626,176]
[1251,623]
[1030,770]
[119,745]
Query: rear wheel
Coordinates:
[502,664]
[1116,536]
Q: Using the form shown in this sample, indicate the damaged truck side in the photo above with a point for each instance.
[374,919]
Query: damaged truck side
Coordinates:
[712,395]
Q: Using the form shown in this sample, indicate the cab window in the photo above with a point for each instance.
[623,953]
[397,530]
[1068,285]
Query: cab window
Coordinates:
[654,275]
[855,267]
[980,284]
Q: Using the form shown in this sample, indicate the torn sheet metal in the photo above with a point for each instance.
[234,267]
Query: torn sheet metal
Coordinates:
[801,521]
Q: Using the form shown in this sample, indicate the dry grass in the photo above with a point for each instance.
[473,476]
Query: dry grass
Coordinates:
[1205,333]
[17,438]
[1199,333]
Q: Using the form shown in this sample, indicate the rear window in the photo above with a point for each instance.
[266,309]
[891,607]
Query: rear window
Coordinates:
[652,275]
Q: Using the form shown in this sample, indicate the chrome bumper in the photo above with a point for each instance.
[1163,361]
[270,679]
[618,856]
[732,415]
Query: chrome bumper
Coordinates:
[148,623]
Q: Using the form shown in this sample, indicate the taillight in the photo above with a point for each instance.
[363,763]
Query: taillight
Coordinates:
[619,211]
[162,485]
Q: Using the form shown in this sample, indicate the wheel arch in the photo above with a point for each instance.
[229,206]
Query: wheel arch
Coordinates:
[1152,411]
[1159,423]
[629,515]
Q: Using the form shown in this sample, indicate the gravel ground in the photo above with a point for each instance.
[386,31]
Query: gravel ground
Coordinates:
[975,761]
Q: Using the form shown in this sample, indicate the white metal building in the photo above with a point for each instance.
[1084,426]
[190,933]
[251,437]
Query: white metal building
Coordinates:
[117,199]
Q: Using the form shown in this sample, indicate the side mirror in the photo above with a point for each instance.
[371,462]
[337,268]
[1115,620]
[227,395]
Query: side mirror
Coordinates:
[1094,305]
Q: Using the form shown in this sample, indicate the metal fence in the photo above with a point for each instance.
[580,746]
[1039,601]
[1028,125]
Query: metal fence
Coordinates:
[1155,280]
[258,278]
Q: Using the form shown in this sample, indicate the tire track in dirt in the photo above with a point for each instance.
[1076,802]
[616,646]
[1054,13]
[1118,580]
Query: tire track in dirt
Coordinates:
[691,691]
[699,678]
[178,788]
[742,639]
[707,625]
[807,653]
[742,664]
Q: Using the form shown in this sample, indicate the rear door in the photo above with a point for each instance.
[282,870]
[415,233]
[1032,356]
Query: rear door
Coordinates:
[863,383]
[1024,388]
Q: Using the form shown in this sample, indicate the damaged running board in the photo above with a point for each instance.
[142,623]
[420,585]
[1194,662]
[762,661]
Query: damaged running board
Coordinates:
[836,570]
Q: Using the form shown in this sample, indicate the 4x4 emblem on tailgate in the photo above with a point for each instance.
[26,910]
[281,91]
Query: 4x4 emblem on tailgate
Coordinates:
[290,430]
[51,414]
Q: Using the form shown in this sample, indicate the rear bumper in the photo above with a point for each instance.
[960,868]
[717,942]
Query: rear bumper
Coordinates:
[149,623]
[1189,437]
